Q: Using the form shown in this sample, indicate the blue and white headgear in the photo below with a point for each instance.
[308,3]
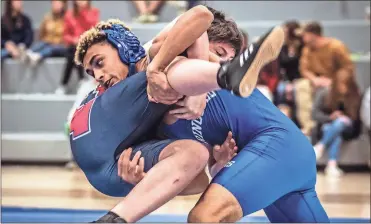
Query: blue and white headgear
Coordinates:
[127,45]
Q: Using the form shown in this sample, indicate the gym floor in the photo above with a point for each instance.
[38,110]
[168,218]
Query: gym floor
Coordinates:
[57,194]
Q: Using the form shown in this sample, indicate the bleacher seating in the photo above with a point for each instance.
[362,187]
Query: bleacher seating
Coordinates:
[32,125]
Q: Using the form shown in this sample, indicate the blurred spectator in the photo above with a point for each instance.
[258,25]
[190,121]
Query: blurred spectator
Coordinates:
[245,42]
[50,42]
[16,31]
[336,109]
[289,68]
[365,111]
[268,79]
[365,114]
[148,11]
[322,59]
[81,18]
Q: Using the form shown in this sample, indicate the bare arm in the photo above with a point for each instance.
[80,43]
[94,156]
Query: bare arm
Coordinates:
[186,30]
[159,38]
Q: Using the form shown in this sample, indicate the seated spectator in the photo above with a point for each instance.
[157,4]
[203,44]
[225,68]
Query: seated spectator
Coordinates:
[16,31]
[322,59]
[50,42]
[148,11]
[365,114]
[289,68]
[76,21]
[336,109]
[365,111]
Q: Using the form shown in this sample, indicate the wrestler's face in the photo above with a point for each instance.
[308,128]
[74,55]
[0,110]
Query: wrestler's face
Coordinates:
[225,51]
[102,62]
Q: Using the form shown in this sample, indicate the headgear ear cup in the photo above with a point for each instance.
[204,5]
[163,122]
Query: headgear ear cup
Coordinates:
[127,45]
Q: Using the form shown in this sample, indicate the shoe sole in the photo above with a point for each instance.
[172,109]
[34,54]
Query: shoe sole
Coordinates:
[268,51]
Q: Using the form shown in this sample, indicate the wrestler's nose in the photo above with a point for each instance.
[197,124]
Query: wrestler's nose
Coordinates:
[99,75]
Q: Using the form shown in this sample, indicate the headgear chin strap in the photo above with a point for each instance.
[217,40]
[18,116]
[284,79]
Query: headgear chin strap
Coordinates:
[127,45]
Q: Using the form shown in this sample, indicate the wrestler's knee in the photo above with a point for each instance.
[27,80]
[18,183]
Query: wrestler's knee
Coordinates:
[216,206]
[214,213]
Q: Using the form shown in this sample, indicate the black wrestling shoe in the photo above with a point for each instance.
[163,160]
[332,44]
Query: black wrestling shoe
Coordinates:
[110,217]
[241,74]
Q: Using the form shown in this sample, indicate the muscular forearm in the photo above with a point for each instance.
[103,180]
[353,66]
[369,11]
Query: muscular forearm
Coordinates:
[184,33]
[198,50]
[158,40]
[214,167]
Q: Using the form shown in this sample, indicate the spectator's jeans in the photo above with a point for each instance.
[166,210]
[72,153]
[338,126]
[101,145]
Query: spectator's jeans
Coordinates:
[281,93]
[48,50]
[332,137]
[4,53]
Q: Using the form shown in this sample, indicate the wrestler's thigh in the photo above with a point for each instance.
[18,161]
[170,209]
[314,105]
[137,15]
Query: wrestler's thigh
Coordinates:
[191,155]
[105,178]
[257,177]
[299,206]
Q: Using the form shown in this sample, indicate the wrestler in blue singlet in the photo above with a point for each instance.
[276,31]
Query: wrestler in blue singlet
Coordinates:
[275,168]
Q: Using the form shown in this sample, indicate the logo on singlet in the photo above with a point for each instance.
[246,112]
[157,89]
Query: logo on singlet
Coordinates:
[80,124]
[229,164]
[197,123]
[197,129]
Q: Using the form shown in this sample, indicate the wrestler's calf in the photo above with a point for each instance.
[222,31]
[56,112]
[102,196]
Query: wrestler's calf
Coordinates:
[217,204]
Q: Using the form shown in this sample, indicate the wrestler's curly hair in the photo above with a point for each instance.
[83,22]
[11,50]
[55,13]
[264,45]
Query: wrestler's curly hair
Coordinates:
[93,36]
